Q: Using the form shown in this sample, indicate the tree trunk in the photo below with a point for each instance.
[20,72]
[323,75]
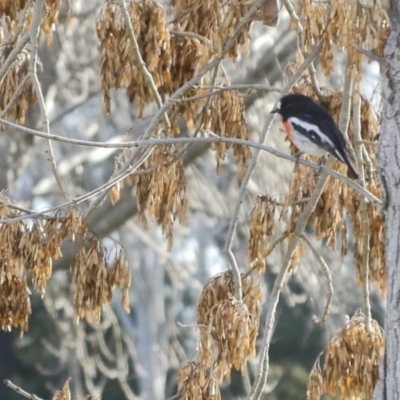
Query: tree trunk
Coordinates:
[388,387]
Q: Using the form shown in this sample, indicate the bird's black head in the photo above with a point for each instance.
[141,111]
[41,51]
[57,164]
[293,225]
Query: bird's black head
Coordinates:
[291,104]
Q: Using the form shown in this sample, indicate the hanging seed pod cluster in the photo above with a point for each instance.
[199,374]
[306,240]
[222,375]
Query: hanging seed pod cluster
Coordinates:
[228,332]
[162,194]
[261,231]
[16,81]
[28,249]
[347,25]
[351,362]
[95,276]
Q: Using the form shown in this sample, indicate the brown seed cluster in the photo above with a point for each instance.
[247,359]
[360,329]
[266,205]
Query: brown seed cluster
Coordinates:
[347,25]
[261,231]
[351,366]
[27,247]
[95,277]
[15,304]
[228,328]
[197,382]
[120,68]
[161,194]
[12,8]
[338,201]
[228,332]
[227,119]
[214,20]
[12,80]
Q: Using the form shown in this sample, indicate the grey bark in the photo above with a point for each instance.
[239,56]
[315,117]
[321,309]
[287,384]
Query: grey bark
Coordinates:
[388,387]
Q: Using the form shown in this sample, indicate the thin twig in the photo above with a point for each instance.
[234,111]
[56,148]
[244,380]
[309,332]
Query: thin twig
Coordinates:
[33,34]
[218,89]
[370,54]
[192,35]
[215,139]
[20,391]
[327,273]
[140,62]
[270,249]
[301,224]
[364,212]
[124,171]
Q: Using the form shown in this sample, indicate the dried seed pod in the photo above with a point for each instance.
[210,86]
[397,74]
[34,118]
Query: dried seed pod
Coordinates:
[227,119]
[161,194]
[347,24]
[15,76]
[352,359]
[197,382]
[261,231]
[120,68]
[215,20]
[228,329]
[95,279]
[15,305]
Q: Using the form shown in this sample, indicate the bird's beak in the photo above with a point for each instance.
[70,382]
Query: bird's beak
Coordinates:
[274,110]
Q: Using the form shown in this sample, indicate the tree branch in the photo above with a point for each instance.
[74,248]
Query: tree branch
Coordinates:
[364,212]
[20,391]
[325,269]
[33,35]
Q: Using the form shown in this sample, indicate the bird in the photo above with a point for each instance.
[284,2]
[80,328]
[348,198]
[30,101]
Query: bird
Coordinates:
[313,131]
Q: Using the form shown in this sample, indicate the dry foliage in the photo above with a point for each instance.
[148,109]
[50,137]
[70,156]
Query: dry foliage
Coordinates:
[161,194]
[16,82]
[120,67]
[28,248]
[351,366]
[347,25]
[197,382]
[261,231]
[96,273]
[228,328]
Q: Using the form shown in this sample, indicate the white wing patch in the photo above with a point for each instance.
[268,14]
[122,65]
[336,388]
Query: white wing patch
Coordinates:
[313,129]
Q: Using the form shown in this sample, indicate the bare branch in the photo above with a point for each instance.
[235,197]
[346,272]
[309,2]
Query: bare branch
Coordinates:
[33,35]
[327,273]
[364,212]
[20,391]
[192,35]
